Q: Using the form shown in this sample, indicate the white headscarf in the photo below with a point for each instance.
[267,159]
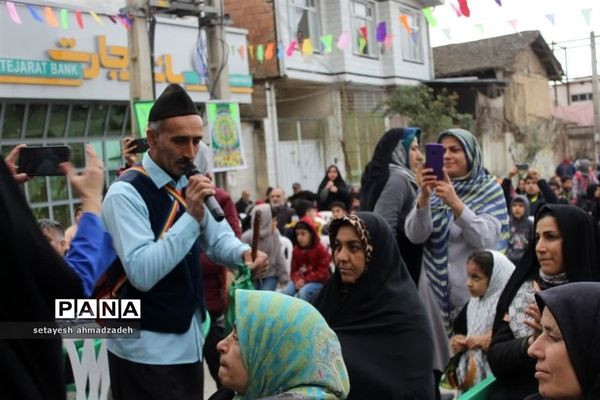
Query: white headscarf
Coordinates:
[481,312]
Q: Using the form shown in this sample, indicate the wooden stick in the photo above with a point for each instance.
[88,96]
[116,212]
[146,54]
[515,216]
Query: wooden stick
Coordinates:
[255,233]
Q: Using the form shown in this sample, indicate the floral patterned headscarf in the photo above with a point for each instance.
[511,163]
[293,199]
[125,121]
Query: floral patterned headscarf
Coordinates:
[288,347]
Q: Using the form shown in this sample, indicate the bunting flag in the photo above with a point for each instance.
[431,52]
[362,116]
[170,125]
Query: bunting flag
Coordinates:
[307,47]
[327,42]
[388,41]
[499,2]
[12,12]
[447,33]
[404,21]
[280,50]
[124,19]
[464,8]
[112,19]
[550,17]
[50,17]
[291,47]
[479,28]
[34,14]
[456,10]
[513,23]
[343,40]
[362,44]
[251,52]
[586,12]
[96,17]
[381,32]
[415,37]
[363,32]
[199,60]
[242,51]
[428,13]
[79,18]
[270,51]
[64,19]
[260,53]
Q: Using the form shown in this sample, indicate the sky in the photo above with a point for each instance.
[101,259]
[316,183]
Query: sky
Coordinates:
[488,19]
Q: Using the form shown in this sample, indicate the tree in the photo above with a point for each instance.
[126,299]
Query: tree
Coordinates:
[431,112]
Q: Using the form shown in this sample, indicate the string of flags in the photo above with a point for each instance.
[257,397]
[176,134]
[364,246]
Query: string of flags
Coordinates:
[61,17]
[65,18]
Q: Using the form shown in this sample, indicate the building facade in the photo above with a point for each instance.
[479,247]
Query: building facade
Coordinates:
[317,105]
[71,86]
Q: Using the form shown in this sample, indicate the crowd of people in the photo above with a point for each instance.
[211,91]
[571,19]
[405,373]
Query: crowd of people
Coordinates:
[412,281]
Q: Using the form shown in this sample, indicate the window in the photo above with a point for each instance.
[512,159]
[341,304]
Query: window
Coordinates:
[581,97]
[412,42]
[363,28]
[304,21]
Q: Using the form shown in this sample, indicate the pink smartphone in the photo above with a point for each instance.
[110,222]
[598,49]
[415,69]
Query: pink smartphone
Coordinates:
[434,159]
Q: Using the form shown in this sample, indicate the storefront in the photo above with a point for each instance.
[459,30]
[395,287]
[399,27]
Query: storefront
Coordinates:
[71,86]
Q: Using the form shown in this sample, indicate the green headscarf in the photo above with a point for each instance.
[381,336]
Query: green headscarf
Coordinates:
[288,347]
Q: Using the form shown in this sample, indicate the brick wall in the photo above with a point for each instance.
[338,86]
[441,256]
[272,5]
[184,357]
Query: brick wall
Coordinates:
[257,17]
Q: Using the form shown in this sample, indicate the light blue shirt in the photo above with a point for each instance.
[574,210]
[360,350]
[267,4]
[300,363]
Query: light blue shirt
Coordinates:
[147,261]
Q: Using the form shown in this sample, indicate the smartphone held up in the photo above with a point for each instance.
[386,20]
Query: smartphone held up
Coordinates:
[434,159]
[43,161]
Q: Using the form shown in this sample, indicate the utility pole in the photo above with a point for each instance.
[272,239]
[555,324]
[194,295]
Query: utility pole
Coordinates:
[595,96]
[140,68]
[218,70]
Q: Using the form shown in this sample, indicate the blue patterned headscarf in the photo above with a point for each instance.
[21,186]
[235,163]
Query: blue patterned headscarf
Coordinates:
[478,191]
[288,347]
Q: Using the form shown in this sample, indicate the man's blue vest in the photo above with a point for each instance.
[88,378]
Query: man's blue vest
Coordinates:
[169,306]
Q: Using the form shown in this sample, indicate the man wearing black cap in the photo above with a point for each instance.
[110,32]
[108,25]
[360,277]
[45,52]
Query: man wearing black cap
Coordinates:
[158,222]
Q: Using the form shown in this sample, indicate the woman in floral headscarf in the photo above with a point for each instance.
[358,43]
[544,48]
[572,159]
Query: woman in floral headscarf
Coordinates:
[281,348]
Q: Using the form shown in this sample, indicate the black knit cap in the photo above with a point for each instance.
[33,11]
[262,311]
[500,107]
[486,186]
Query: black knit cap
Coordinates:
[173,102]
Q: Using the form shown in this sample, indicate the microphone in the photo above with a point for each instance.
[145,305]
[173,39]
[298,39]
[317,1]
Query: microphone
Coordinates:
[210,201]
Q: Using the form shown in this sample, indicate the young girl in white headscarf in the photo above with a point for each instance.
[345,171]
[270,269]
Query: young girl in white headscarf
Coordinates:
[487,274]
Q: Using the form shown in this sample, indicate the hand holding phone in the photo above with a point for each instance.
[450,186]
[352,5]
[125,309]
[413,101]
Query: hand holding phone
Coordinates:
[43,161]
[434,159]
[141,145]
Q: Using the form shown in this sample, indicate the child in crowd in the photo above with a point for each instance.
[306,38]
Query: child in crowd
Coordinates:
[487,274]
[310,262]
[338,210]
[269,242]
[521,228]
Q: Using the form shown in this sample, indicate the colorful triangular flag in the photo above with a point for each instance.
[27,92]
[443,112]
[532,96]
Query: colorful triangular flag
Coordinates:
[464,8]
[499,2]
[388,41]
[270,51]
[513,23]
[79,18]
[415,37]
[404,21]
[260,53]
[381,32]
[550,17]
[343,40]
[327,41]
[307,47]
[428,13]
[12,12]
[96,18]
[280,50]
[456,10]
[50,17]
[586,12]
[34,14]
[362,44]
[447,33]
[291,47]
[479,28]
[64,19]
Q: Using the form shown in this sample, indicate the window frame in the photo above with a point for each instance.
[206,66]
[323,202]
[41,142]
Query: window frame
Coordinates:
[407,46]
[313,27]
[371,42]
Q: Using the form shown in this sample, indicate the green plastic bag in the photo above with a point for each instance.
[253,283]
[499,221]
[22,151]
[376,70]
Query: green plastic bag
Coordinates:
[243,280]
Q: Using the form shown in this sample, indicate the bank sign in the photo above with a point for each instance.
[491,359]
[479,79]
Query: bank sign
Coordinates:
[93,63]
